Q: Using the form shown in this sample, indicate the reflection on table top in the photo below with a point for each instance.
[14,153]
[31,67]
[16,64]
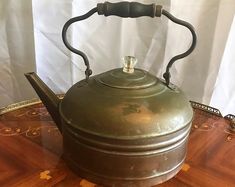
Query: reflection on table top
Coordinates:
[31,150]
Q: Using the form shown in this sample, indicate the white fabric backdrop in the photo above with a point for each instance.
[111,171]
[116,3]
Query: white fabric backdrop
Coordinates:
[16,50]
[30,35]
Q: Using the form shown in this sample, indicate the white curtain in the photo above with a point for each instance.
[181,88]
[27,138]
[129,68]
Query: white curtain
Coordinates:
[16,50]
[30,35]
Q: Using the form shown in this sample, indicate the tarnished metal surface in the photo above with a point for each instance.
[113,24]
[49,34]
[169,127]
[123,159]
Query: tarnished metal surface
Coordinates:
[125,113]
[125,119]
[141,132]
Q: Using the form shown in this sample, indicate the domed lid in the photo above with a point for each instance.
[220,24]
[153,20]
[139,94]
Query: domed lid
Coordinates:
[125,105]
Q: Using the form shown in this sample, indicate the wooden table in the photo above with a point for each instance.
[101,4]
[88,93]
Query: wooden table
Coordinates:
[31,150]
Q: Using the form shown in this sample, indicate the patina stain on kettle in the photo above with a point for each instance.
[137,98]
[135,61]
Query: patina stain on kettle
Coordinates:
[124,127]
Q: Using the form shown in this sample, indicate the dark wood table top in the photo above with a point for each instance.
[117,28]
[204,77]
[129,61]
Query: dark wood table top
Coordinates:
[31,152]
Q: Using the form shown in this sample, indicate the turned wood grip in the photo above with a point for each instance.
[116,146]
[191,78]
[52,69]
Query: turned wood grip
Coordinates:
[128,9]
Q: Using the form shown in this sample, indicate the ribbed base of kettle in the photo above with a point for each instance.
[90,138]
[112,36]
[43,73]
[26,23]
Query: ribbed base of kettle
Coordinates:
[125,168]
[147,181]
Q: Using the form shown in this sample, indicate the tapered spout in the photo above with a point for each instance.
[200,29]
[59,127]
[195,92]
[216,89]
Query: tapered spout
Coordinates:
[47,96]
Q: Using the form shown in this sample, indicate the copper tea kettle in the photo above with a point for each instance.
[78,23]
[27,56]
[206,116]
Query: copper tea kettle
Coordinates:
[124,127]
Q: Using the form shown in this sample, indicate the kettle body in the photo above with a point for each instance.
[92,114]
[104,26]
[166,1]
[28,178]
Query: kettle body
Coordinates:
[125,137]
[124,127]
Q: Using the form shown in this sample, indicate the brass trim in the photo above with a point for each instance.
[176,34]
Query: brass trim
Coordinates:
[230,117]
[211,110]
[19,105]
[206,108]
[22,104]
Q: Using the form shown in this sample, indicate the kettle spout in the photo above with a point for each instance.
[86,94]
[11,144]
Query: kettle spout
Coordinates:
[47,96]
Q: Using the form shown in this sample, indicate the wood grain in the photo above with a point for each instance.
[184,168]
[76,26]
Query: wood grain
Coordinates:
[30,144]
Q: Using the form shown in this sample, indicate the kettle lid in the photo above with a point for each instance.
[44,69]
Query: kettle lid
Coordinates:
[128,77]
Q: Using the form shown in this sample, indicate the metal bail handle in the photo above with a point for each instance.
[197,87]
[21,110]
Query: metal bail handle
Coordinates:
[132,10]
